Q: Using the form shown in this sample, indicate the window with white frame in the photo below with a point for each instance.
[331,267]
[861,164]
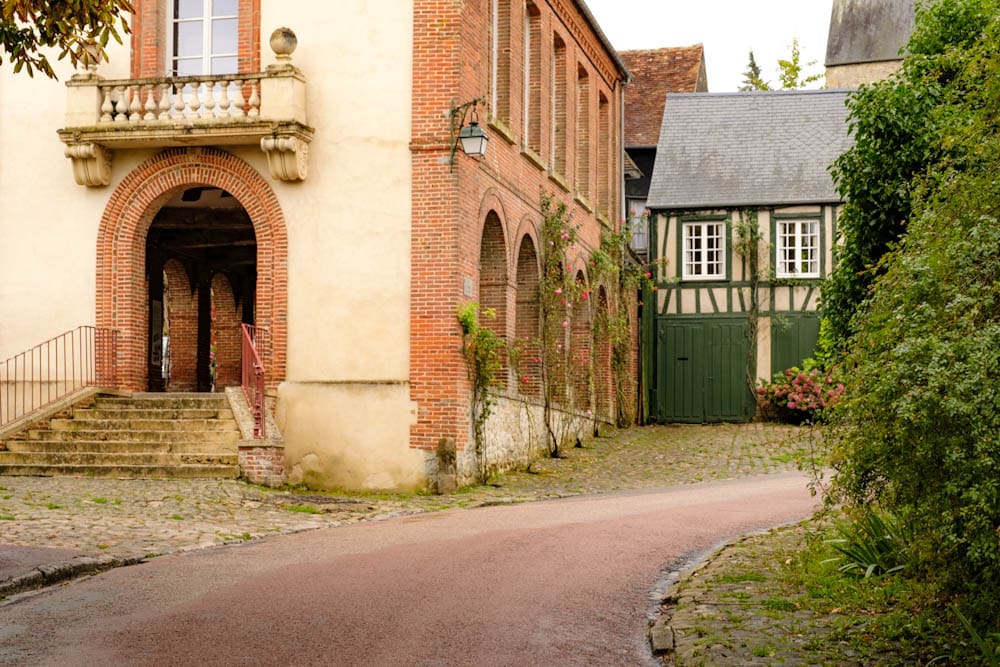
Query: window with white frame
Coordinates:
[704,245]
[639,218]
[798,249]
[204,37]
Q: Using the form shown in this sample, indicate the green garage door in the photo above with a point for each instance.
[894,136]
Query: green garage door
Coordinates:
[701,371]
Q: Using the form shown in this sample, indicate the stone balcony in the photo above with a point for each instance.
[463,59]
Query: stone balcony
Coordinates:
[265,109]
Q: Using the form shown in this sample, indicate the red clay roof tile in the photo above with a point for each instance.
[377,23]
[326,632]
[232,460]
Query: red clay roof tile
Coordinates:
[656,72]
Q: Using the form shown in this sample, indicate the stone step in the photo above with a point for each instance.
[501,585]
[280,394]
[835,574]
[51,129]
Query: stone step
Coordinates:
[142,425]
[124,471]
[131,412]
[131,460]
[121,446]
[231,434]
[164,401]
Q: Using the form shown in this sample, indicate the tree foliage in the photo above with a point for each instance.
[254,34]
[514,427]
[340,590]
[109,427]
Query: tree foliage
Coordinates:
[790,72]
[897,128]
[919,431]
[79,29]
[752,78]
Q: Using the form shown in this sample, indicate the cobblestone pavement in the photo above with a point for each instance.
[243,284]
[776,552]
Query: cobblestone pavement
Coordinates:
[70,526]
[150,517]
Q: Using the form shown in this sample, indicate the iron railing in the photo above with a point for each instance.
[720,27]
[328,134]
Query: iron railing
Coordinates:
[36,378]
[255,339]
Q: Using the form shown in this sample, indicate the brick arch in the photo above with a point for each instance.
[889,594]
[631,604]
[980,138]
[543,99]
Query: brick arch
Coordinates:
[122,290]
[603,381]
[227,335]
[494,290]
[581,344]
[527,319]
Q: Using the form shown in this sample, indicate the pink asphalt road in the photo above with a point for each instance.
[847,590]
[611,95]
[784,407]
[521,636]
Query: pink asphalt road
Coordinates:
[551,583]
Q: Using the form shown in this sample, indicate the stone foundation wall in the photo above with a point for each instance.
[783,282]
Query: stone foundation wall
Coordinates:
[515,435]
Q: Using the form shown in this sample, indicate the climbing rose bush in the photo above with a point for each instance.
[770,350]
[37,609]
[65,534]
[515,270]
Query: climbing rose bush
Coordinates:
[796,396]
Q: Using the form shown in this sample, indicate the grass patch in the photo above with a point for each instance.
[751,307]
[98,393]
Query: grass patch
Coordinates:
[741,577]
[176,517]
[99,500]
[53,506]
[304,509]
[774,604]
[7,517]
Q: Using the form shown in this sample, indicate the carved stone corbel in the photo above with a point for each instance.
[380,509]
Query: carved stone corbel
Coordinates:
[91,163]
[287,157]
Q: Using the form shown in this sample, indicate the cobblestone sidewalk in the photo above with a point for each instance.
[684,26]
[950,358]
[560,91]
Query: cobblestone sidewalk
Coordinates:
[123,521]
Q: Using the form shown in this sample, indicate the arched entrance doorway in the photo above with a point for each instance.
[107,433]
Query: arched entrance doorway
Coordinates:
[126,279]
[201,264]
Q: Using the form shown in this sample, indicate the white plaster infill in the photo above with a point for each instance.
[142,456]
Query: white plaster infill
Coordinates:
[265,109]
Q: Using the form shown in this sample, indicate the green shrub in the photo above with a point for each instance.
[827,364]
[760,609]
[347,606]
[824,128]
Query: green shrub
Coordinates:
[875,545]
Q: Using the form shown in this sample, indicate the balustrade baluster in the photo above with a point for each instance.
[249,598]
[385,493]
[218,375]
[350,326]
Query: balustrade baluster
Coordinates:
[164,105]
[254,109]
[179,100]
[106,107]
[208,105]
[150,103]
[236,110]
[224,100]
[195,103]
[121,106]
[135,108]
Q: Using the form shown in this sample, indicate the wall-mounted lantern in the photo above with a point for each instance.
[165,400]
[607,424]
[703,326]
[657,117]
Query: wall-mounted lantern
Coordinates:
[472,136]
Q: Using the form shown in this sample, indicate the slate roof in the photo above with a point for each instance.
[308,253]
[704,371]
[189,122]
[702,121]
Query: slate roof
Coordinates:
[721,150]
[656,72]
[865,31]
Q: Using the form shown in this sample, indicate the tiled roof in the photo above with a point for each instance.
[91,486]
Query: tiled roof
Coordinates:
[863,31]
[656,72]
[749,149]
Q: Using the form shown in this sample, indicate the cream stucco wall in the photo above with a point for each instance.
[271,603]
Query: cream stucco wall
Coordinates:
[349,247]
[344,409]
[48,224]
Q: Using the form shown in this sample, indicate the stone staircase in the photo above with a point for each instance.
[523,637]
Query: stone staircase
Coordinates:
[145,436]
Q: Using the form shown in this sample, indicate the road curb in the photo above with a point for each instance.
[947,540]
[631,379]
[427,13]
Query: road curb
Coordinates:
[53,573]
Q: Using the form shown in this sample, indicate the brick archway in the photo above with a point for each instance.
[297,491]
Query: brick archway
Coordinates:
[122,286]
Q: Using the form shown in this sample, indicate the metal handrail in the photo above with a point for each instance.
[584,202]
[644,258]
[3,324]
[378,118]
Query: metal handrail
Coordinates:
[253,375]
[40,376]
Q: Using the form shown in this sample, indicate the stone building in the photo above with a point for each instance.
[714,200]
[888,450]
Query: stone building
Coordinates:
[865,40]
[221,172]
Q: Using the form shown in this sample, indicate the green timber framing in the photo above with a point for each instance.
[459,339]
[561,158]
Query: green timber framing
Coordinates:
[699,360]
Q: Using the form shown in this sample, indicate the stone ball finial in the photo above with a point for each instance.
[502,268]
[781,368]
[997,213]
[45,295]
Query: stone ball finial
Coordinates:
[283,43]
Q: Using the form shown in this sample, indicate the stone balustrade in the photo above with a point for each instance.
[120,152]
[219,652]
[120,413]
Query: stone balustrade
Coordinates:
[207,99]
[265,109]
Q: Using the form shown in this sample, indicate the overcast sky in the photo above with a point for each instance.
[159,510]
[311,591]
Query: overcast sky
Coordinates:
[729,29]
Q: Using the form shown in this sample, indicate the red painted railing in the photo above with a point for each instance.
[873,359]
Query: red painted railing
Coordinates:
[255,339]
[30,381]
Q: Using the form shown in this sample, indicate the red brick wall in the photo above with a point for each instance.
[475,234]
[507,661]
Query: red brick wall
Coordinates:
[121,249]
[452,58]
[181,305]
[227,335]
[151,21]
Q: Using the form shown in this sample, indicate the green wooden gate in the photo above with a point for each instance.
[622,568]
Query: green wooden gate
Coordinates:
[701,371]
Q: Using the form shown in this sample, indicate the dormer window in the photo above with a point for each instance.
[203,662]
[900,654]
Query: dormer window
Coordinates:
[205,37]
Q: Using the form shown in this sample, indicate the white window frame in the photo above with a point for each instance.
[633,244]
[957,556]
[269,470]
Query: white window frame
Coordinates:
[707,230]
[797,248]
[206,20]
[639,218]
